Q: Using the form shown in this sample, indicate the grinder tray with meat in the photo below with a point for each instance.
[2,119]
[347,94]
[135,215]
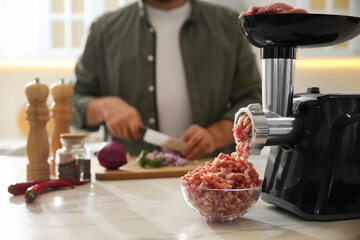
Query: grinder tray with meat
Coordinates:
[273,8]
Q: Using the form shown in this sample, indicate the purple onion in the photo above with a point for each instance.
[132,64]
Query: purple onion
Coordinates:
[112,155]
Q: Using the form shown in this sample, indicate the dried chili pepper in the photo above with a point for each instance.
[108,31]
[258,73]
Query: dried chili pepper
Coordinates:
[33,191]
[20,188]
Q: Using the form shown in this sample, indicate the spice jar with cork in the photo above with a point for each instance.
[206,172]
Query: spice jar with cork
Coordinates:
[73,158]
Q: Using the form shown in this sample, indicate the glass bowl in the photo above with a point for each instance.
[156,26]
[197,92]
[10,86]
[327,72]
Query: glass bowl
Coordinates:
[220,205]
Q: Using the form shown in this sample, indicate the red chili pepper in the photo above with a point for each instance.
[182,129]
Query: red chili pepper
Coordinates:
[75,181]
[33,191]
[20,188]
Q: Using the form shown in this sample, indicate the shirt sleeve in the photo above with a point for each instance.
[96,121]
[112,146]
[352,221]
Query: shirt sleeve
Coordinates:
[86,86]
[247,81]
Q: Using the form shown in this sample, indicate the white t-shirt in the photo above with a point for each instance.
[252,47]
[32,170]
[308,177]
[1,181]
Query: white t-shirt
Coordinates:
[173,104]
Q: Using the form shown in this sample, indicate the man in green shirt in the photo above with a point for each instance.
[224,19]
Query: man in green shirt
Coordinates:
[188,75]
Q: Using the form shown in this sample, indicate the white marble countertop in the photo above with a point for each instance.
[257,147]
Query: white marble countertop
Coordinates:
[142,209]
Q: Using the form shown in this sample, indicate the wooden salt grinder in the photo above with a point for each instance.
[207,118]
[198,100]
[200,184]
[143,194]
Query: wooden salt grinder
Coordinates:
[37,115]
[62,115]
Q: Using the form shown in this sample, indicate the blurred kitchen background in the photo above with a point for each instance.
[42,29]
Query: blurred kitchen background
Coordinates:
[43,39]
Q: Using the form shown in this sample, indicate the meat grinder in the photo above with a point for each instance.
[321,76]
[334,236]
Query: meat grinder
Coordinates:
[313,168]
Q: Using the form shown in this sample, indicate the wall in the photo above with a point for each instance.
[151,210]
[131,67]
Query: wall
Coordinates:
[329,79]
[12,93]
[13,81]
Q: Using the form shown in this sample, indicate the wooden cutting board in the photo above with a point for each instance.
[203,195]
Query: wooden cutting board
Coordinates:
[132,170]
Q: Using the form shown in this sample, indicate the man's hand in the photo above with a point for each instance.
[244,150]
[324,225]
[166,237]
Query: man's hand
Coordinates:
[122,120]
[199,142]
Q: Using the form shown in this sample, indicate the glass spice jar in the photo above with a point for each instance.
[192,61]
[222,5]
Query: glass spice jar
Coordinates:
[74,158]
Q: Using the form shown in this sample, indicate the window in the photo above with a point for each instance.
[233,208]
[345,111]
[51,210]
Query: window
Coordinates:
[56,28]
[66,26]
[48,28]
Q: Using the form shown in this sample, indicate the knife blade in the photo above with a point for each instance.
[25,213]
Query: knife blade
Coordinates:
[161,139]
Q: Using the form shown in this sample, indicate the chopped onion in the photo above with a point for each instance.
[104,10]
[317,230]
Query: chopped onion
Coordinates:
[170,157]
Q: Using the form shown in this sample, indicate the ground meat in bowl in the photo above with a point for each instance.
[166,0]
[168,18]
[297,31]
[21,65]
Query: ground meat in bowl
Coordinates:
[225,172]
[220,205]
[226,188]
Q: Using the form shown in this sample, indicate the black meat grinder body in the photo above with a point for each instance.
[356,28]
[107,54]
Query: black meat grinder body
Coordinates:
[319,177]
[313,168]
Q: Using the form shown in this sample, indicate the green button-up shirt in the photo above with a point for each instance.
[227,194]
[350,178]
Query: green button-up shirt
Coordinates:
[119,60]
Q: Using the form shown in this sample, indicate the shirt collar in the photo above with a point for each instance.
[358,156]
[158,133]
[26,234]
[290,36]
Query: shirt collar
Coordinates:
[193,14]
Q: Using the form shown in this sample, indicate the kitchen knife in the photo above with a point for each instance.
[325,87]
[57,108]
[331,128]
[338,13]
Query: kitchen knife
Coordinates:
[161,139]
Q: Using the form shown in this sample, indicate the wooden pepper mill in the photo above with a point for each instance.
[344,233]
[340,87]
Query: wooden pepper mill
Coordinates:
[37,115]
[61,114]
